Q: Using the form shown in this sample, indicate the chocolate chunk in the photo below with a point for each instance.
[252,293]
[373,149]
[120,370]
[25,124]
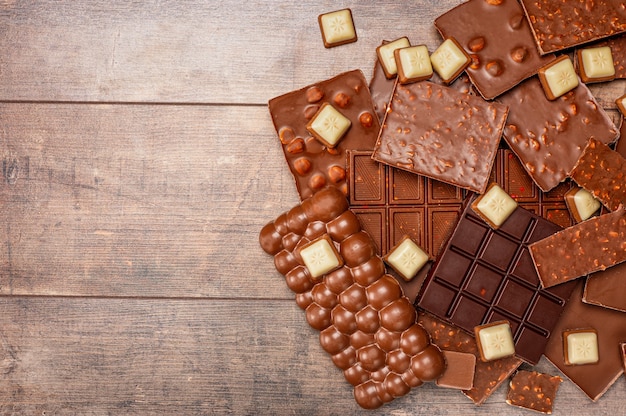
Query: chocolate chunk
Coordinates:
[386,56]
[497,37]
[581,204]
[494,206]
[312,164]
[367,325]
[580,346]
[549,136]
[559,25]
[438,132]
[533,390]
[459,372]
[602,172]
[595,64]
[593,379]
[485,275]
[584,248]
[494,340]
[449,60]
[607,288]
[337,28]
[558,77]
[406,258]
[413,64]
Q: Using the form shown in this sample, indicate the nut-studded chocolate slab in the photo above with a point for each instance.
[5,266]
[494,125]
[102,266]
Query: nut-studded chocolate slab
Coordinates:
[441,133]
[366,324]
[558,25]
[587,247]
[607,288]
[497,37]
[602,171]
[549,136]
[533,390]
[488,376]
[593,379]
[485,275]
[312,164]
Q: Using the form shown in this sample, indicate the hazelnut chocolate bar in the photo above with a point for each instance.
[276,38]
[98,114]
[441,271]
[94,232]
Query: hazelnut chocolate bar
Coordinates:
[315,164]
[533,390]
[438,132]
[497,37]
[587,247]
[366,324]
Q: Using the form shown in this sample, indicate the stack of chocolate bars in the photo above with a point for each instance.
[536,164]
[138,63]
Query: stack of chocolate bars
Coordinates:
[464,211]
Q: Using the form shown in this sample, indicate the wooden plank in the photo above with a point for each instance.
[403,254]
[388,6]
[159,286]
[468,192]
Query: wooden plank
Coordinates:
[132,200]
[133,356]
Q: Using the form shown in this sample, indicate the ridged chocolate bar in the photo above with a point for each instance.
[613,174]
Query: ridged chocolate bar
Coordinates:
[367,325]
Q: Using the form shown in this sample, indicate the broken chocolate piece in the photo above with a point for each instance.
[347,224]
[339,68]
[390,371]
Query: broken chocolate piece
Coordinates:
[459,372]
[533,390]
[607,288]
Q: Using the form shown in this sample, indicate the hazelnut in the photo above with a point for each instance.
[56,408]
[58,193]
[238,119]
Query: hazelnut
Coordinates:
[341,100]
[317,181]
[310,111]
[302,166]
[286,135]
[495,68]
[366,119]
[296,146]
[476,44]
[519,55]
[314,94]
[336,173]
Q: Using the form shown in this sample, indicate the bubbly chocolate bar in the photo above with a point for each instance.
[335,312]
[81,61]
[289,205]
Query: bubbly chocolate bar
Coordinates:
[587,247]
[366,324]
[499,41]
[438,132]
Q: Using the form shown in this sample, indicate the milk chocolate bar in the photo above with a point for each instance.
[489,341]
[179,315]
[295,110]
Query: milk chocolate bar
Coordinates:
[313,164]
[602,172]
[558,25]
[607,288]
[438,132]
[549,136]
[459,372]
[366,324]
[587,247]
[497,37]
[533,390]
[485,275]
[593,379]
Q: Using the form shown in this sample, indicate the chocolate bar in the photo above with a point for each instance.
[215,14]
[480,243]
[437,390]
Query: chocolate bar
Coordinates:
[438,132]
[607,288]
[498,38]
[313,164]
[366,324]
[593,379]
[618,51]
[558,25]
[602,172]
[485,275]
[584,248]
[533,390]
[488,376]
[549,136]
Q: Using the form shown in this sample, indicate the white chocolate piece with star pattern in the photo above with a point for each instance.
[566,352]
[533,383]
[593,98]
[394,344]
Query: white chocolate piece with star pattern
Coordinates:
[320,257]
[494,206]
[449,60]
[413,64]
[337,28]
[406,258]
[328,125]
[494,340]
[596,64]
[558,77]
[581,347]
[387,58]
[581,204]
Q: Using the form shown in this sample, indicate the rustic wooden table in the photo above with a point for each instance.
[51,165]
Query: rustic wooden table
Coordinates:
[139,163]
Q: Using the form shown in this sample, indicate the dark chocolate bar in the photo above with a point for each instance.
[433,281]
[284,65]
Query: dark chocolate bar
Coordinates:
[485,275]
[497,37]
[367,325]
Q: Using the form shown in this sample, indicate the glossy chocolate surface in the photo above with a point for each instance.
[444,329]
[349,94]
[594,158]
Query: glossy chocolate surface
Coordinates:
[441,133]
[312,164]
[499,40]
[366,324]
[485,275]
[549,136]
[607,288]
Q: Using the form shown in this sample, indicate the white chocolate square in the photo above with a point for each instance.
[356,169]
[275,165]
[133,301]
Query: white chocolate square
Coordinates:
[496,341]
[448,60]
[414,63]
[337,27]
[598,62]
[386,56]
[320,257]
[559,77]
[495,206]
[586,204]
[329,125]
[581,347]
[407,258]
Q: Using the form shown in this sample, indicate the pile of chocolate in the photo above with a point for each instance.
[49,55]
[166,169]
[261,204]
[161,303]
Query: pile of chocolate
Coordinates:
[498,251]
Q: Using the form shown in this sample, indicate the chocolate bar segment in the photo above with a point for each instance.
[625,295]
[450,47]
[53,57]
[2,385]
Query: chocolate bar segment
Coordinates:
[337,28]
[498,38]
[367,326]
[549,136]
[459,372]
[593,379]
[438,132]
[602,172]
[485,275]
[533,390]
[312,164]
[558,25]
[607,288]
[587,247]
